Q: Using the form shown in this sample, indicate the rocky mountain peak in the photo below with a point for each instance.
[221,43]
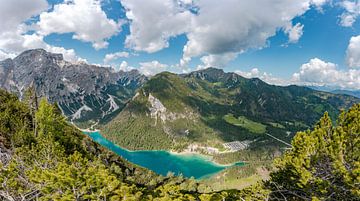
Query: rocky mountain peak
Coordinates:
[211,74]
[216,75]
[74,86]
[38,55]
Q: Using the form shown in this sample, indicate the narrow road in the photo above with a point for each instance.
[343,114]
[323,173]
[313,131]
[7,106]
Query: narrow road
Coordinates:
[279,140]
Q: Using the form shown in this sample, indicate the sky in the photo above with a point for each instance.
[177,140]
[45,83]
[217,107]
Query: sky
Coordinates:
[305,42]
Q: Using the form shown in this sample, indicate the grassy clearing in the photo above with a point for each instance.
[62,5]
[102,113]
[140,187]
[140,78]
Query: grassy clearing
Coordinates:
[277,125]
[242,121]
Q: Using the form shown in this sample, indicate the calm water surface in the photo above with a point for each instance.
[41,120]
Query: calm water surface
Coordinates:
[162,162]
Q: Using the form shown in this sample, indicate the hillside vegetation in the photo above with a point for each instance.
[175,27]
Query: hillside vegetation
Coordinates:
[210,107]
[45,158]
[242,121]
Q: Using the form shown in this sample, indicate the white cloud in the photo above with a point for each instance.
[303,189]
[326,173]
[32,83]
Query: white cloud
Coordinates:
[113,56]
[4,55]
[266,77]
[14,43]
[84,18]
[153,23]
[352,11]
[294,32]
[216,60]
[13,30]
[13,15]
[124,66]
[314,73]
[321,73]
[236,26]
[152,68]
[319,3]
[216,29]
[69,54]
[15,12]
[353,52]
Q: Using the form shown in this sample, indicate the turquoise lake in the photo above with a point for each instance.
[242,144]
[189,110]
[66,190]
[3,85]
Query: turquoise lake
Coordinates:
[162,162]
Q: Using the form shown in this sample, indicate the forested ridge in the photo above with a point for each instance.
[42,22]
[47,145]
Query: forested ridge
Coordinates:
[207,107]
[43,157]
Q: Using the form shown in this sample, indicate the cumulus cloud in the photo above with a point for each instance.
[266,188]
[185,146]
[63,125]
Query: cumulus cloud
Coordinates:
[243,25]
[212,29]
[84,18]
[153,23]
[4,55]
[319,3]
[322,73]
[152,68]
[352,11]
[266,77]
[13,15]
[124,66]
[216,60]
[15,12]
[353,52]
[294,32]
[13,29]
[314,73]
[16,42]
[113,56]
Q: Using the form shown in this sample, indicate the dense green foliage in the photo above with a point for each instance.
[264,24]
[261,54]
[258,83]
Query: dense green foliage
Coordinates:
[58,162]
[198,104]
[210,107]
[323,163]
[42,157]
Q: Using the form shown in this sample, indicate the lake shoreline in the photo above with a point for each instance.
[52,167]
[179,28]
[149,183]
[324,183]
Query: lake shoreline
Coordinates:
[185,153]
[208,157]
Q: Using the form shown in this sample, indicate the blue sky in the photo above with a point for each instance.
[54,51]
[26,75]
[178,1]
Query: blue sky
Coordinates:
[252,39]
[323,38]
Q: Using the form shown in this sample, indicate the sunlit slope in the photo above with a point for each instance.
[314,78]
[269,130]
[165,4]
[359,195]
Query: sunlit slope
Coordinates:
[172,111]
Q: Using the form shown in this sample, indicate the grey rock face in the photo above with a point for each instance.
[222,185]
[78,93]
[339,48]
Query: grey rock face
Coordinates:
[84,92]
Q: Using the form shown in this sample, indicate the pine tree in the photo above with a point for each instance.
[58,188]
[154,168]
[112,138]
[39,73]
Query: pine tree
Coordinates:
[323,163]
[31,99]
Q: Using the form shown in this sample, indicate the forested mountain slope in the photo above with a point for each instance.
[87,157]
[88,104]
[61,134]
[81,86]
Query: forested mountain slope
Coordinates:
[210,107]
[42,157]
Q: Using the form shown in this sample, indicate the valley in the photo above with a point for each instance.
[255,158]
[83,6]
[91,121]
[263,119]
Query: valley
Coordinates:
[208,118]
[211,129]
[221,115]
[179,100]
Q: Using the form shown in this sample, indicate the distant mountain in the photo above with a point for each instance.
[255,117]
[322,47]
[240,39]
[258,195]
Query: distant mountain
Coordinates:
[336,90]
[209,107]
[322,88]
[347,92]
[83,92]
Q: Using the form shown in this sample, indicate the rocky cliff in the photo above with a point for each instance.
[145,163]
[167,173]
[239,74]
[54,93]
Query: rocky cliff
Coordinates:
[84,92]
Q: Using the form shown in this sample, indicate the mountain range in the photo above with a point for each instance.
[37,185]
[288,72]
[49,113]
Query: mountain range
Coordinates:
[209,111]
[337,90]
[347,92]
[85,93]
[210,107]
[170,111]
